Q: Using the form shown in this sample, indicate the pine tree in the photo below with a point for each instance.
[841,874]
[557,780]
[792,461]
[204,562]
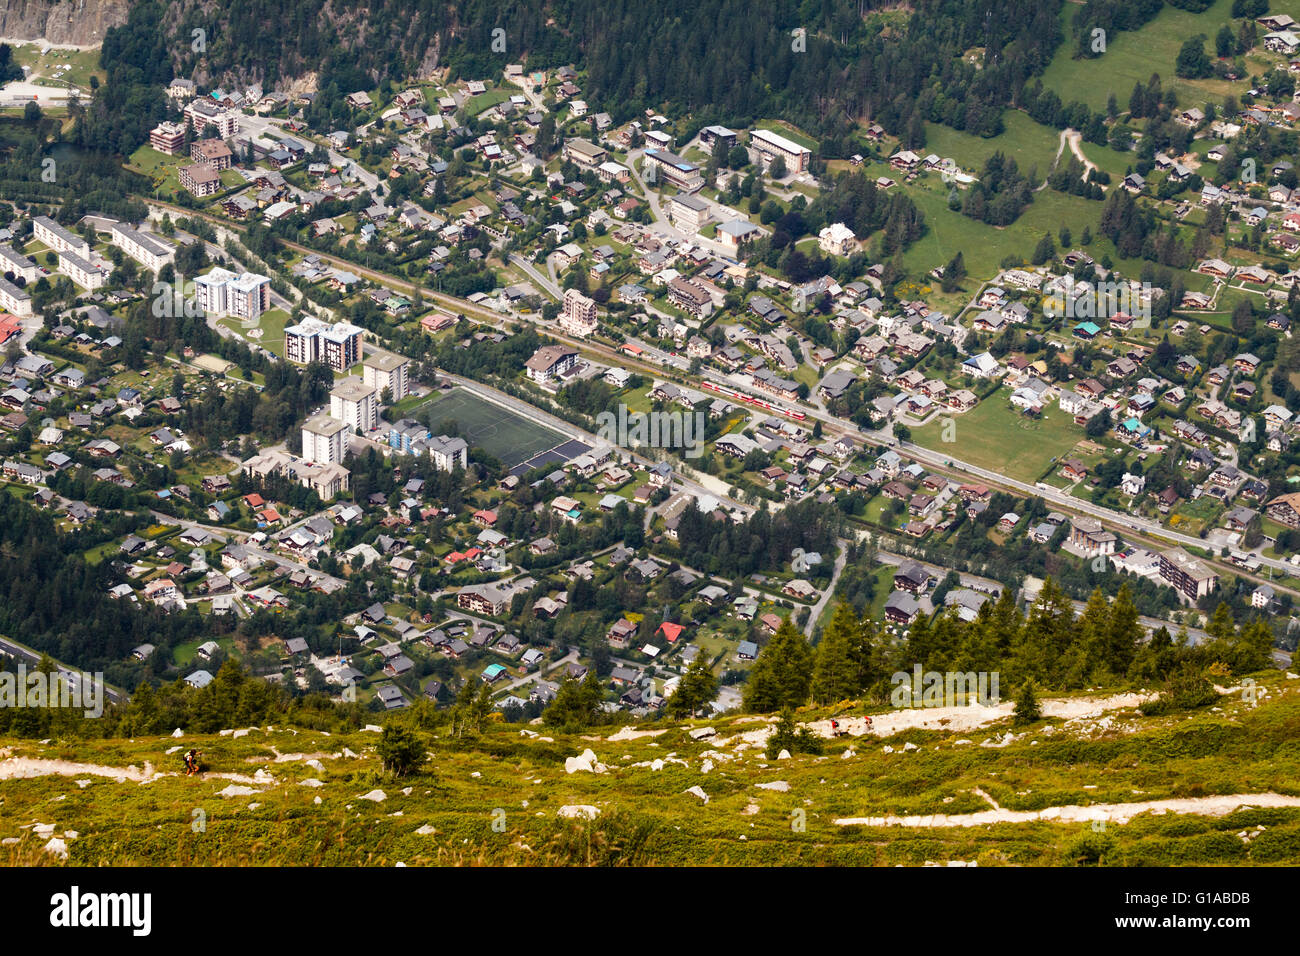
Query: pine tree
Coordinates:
[695,690]
[1027,709]
[833,676]
[781,674]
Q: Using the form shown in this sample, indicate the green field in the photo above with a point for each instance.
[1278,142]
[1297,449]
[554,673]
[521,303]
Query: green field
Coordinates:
[1132,57]
[501,433]
[996,435]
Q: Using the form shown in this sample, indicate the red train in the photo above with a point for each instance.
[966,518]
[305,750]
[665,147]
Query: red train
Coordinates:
[731,392]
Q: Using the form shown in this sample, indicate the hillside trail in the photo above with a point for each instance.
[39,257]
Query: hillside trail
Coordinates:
[1106,812]
[1074,138]
[26,768]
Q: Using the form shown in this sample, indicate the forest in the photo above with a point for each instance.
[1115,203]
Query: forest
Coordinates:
[823,66]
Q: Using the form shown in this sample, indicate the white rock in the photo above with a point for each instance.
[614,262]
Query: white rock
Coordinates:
[373,728]
[656,764]
[310,782]
[316,800]
[253,806]
[579,810]
[43,829]
[316,765]
[888,749]
[700,733]
[425,830]
[58,848]
[406,791]
[783,755]
[234,790]
[586,761]
[476,774]
[348,753]
[378,796]
[706,766]
[178,732]
[240,733]
[171,750]
[780,786]
[909,746]
[83,784]
[698,792]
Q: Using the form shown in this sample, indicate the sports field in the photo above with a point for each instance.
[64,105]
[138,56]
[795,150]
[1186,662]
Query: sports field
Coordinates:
[507,436]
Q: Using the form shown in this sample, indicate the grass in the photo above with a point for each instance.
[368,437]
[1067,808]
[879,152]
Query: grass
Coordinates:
[645,815]
[996,435]
[1132,57]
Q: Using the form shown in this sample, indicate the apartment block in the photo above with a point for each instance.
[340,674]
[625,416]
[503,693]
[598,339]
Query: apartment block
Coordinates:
[48,231]
[355,404]
[338,345]
[222,292]
[770,145]
[324,440]
[168,138]
[149,250]
[578,316]
[384,370]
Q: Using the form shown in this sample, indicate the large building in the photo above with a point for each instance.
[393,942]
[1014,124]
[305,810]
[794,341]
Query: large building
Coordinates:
[14,262]
[14,299]
[690,296]
[168,138]
[213,153]
[203,113]
[82,271]
[710,135]
[355,404]
[48,231]
[688,213]
[549,362]
[1190,576]
[579,314]
[584,153]
[447,453]
[324,440]
[1088,535]
[145,248]
[311,340]
[673,169]
[222,292]
[770,145]
[200,180]
[384,370]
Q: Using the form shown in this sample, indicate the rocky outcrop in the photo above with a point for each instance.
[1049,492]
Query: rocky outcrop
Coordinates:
[72,22]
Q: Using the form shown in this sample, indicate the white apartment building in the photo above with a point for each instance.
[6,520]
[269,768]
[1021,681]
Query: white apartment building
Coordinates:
[48,231]
[222,292]
[384,370]
[82,271]
[355,404]
[203,113]
[14,299]
[11,260]
[688,213]
[770,145]
[311,340]
[447,453]
[324,440]
[578,316]
[149,250]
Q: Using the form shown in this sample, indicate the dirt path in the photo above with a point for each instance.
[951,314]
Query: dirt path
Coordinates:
[955,719]
[27,768]
[1074,138]
[1110,812]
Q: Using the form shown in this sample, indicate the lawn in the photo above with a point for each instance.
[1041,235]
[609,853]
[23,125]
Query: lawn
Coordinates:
[996,435]
[1029,143]
[1131,57]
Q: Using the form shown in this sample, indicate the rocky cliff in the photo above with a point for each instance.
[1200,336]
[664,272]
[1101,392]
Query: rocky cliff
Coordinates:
[75,22]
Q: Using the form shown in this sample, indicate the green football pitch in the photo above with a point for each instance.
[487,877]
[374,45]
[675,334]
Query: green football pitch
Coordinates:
[509,437]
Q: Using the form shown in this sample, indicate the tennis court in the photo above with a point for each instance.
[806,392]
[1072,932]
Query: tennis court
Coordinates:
[507,436]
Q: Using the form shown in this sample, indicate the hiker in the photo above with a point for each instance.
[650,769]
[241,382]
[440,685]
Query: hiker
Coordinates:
[191,763]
